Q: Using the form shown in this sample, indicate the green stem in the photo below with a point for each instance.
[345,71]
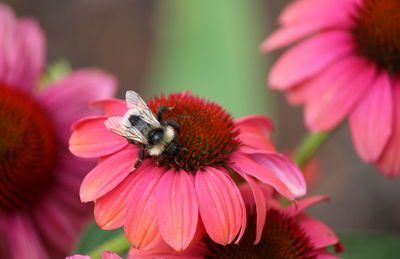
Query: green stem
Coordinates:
[117,245]
[309,146]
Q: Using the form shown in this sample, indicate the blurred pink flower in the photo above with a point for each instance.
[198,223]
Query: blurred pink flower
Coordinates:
[347,66]
[174,198]
[104,255]
[288,233]
[40,211]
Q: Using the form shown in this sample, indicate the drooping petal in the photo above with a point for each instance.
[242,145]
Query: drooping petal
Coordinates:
[320,234]
[315,10]
[389,162]
[111,107]
[298,207]
[68,99]
[219,204]
[273,169]
[177,208]
[91,138]
[259,200]
[255,132]
[22,237]
[371,121]
[336,91]
[308,58]
[141,222]
[108,174]
[110,209]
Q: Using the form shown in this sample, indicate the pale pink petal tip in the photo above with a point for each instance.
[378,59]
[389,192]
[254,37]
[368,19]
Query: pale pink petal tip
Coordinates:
[78,257]
[177,209]
[109,255]
[111,107]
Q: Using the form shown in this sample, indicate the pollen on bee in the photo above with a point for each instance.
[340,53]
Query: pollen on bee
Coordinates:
[156,150]
[169,134]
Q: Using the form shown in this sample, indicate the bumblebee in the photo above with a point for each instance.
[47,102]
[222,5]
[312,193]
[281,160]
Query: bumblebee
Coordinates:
[141,127]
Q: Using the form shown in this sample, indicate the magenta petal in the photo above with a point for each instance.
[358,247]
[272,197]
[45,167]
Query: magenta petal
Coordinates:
[336,91]
[177,208]
[219,204]
[389,162]
[68,99]
[109,255]
[23,239]
[371,120]
[298,207]
[90,138]
[141,223]
[308,58]
[273,169]
[338,11]
[320,234]
[23,53]
[111,107]
[78,257]
[108,174]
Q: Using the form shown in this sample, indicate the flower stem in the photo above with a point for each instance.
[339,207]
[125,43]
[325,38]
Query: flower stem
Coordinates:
[309,146]
[119,245]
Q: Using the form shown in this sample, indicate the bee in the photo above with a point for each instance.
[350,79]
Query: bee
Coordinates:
[140,126]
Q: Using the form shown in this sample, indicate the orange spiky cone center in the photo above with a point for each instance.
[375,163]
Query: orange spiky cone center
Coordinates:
[207,132]
[27,149]
[377,33]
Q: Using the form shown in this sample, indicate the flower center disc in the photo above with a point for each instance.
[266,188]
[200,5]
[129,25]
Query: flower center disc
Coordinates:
[27,149]
[282,238]
[207,132]
[377,33]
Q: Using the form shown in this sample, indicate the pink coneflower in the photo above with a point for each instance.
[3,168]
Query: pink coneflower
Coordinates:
[173,197]
[348,65]
[40,211]
[288,233]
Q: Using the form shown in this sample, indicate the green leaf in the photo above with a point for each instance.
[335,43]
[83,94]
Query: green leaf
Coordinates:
[94,237]
[212,48]
[370,246]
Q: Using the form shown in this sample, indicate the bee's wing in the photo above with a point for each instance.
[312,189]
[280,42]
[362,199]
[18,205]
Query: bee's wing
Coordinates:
[134,101]
[115,125]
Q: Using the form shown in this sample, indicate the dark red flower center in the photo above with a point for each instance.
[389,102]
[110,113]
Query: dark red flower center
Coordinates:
[27,149]
[282,238]
[207,133]
[377,33]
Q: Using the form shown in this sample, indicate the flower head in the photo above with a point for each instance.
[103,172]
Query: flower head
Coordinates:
[175,197]
[347,66]
[40,216]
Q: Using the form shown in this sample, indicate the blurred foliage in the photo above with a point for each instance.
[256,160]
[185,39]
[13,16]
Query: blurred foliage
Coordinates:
[370,246]
[54,72]
[212,48]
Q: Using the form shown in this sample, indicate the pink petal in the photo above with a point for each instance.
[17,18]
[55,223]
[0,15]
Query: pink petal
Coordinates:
[294,32]
[220,205]
[255,132]
[308,58]
[111,107]
[320,235]
[371,120]
[141,223]
[177,208]
[23,54]
[68,99]
[110,209]
[78,257]
[90,138]
[108,174]
[336,92]
[22,237]
[260,202]
[298,207]
[389,162]
[273,169]
[109,255]
[339,11]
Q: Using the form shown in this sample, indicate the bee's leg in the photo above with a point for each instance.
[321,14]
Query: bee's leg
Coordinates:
[173,124]
[161,110]
[141,157]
